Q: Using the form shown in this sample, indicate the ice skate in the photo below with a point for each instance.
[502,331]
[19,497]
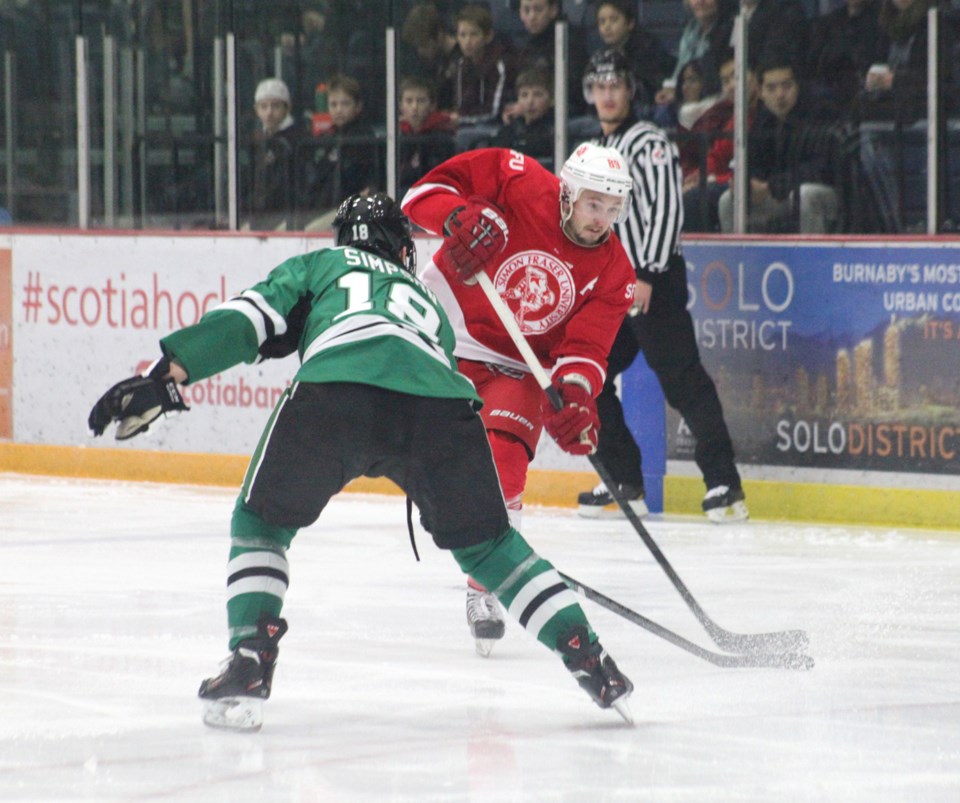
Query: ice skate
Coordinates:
[234,698]
[596,672]
[723,504]
[600,504]
[485,619]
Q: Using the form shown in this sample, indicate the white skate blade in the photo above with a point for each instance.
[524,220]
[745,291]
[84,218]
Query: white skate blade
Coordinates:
[622,707]
[597,512]
[484,646]
[727,515]
[234,713]
[612,511]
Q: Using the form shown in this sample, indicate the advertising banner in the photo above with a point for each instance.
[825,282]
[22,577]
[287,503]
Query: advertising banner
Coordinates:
[831,356]
[89,310]
[826,356]
[6,345]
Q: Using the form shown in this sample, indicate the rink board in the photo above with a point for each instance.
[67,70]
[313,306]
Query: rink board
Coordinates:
[769,500]
[78,311]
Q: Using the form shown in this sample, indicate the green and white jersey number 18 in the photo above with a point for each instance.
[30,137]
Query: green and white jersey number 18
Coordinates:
[404,301]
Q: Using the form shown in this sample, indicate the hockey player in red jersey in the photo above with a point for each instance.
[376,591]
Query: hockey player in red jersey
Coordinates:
[548,247]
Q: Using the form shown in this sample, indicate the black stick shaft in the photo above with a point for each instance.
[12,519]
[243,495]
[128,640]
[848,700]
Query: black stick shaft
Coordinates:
[725,639]
[736,642]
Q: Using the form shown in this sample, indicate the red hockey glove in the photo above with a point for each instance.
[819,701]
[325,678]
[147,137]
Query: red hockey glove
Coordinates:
[575,426]
[474,234]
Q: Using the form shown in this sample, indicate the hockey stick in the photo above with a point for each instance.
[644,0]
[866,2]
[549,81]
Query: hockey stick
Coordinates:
[784,660]
[776,642]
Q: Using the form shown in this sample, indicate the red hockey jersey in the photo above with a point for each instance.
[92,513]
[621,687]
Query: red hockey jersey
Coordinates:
[569,300]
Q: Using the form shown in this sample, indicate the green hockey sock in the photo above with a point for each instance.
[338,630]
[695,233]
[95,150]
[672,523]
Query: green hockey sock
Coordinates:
[528,586]
[257,573]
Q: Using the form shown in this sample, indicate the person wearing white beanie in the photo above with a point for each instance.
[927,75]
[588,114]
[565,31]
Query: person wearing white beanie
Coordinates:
[272,105]
[278,159]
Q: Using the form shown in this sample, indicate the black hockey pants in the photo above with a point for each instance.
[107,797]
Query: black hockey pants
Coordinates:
[325,434]
[666,336]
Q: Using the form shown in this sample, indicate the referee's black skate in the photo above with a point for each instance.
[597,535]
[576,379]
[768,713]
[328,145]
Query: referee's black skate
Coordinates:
[723,504]
[234,698]
[600,504]
[596,672]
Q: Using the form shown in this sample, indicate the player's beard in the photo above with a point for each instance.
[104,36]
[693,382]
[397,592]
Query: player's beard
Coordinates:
[574,237]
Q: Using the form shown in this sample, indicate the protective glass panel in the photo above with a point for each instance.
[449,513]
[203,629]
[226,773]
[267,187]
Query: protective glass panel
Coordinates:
[311,109]
[154,116]
[39,130]
[837,143]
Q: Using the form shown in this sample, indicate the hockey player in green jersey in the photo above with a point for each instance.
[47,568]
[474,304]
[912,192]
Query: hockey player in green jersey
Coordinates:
[378,395]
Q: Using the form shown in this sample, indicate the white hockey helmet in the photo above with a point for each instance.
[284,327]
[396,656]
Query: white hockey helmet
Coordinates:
[594,167]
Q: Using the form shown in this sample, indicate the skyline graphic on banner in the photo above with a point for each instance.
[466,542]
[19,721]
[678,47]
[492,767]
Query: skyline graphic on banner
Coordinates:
[832,357]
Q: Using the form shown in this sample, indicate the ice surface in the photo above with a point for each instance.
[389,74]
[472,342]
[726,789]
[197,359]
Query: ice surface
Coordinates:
[112,611]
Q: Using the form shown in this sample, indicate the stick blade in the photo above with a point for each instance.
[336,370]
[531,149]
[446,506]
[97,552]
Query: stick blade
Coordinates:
[786,660]
[782,641]
[797,661]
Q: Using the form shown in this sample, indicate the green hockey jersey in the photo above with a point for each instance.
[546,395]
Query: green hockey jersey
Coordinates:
[351,315]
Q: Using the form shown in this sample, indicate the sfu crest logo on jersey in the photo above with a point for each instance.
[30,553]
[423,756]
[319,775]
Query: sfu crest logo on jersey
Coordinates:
[538,288]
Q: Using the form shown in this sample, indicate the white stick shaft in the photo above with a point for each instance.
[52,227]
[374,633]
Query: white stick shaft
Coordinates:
[513,329]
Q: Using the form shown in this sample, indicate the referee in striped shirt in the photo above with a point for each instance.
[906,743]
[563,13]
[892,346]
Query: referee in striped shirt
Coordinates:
[659,324]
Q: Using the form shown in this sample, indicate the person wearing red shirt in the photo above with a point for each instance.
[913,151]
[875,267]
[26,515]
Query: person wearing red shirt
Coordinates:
[548,247]
[700,198]
[426,133]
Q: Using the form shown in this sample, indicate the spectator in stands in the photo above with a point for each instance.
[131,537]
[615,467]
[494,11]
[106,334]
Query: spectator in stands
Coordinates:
[532,130]
[316,52]
[844,43]
[706,176]
[277,159]
[896,90]
[776,29]
[426,134]
[649,60]
[308,56]
[893,157]
[344,162]
[429,49]
[362,23]
[792,157]
[506,21]
[536,49]
[481,72]
[705,37]
[686,109]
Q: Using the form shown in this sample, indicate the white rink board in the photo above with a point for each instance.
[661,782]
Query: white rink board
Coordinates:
[79,345]
[89,310]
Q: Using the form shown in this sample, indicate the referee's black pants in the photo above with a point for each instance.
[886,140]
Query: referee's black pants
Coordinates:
[665,334]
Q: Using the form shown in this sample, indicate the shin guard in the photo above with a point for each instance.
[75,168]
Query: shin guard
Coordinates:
[528,586]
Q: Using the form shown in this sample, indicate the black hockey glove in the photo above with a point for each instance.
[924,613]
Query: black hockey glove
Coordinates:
[137,402]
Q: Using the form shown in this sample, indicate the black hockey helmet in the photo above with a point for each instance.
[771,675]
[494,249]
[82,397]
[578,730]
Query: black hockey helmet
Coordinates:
[607,64]
[376,224]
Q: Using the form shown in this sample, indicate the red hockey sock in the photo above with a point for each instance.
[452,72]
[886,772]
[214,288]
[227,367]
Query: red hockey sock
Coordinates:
[511,458]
